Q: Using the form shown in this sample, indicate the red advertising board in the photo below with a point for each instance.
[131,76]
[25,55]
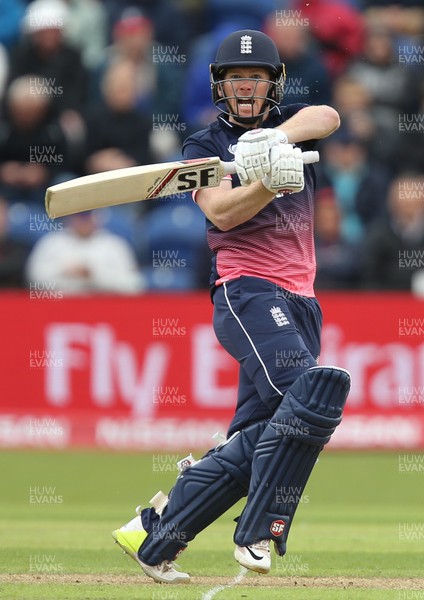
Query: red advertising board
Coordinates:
[147,372]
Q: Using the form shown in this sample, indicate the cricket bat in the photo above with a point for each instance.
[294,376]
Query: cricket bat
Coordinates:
[133,184]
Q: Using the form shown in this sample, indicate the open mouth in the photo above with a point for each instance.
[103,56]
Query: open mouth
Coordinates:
[245,103]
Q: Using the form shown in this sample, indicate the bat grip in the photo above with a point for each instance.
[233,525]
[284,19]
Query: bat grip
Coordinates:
[309,157]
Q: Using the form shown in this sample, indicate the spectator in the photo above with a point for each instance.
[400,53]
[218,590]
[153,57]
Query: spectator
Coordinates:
[175,22]
[44,52]
[86,30]
[307,77]
[84,258]
[159,63]
[373,127]
[119,134]
[33,148]
[391,85]
[394,246]
[337,260]
[13,254]
[360,185]
[409,149]
[339,29]
[11,14]
[132,42]
[404,19]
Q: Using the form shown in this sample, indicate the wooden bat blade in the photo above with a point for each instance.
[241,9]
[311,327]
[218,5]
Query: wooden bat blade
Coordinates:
[131,185]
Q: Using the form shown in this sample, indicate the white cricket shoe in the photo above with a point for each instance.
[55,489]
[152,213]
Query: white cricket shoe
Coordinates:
[130,537]
[256,557]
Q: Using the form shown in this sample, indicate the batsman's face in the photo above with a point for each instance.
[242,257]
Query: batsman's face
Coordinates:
[246,89]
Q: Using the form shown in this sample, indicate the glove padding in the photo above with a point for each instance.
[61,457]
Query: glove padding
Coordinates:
[252,154]
[286,174]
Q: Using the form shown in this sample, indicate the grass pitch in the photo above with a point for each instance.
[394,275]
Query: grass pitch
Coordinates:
[358,533]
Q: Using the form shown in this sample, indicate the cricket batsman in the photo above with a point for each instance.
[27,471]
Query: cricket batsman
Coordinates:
[266,315]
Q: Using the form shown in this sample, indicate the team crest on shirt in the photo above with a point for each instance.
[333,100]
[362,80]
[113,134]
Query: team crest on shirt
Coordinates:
[278,316]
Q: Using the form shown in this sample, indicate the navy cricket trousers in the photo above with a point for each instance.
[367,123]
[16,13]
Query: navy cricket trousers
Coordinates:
[273,334]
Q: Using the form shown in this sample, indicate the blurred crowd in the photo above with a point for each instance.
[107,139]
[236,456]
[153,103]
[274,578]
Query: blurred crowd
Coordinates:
[93,85]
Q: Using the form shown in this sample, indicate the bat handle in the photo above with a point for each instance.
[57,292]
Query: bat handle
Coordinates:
[309,157]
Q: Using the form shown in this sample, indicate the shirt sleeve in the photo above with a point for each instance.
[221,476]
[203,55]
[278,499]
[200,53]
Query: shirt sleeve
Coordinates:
[193,148]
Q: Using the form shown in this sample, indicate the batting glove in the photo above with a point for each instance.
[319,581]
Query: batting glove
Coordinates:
[286,173]
[252,155]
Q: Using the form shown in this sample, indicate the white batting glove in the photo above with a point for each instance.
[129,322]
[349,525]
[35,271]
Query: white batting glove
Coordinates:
[286,173]
[252,156]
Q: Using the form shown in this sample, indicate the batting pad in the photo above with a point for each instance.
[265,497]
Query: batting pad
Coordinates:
[287,452]
[201,494]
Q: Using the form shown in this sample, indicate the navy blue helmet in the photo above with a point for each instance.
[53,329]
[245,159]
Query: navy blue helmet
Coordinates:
[247,48]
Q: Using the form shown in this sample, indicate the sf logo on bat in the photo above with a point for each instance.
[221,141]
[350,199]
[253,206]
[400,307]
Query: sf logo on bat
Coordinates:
[191,180]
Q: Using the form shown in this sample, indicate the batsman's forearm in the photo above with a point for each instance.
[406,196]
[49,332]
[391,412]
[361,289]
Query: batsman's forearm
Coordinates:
[311,123]
[227,208]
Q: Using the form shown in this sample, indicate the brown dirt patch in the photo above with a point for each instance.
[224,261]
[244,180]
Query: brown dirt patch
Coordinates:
[263,581]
